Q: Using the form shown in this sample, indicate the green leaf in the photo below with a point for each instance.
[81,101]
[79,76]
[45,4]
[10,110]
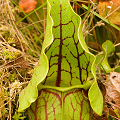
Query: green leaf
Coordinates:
[99,59]
[30,93]
[102,58]
[17,116]
[117,69]
[108,48]
[65,65]
[96,99]
[60,106]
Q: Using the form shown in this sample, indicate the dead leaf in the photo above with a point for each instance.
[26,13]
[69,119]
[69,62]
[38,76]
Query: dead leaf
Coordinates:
[106,111]
[27,5]
[112,85]
[104,115]
[110,7]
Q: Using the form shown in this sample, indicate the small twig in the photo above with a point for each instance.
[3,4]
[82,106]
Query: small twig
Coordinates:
[117,44]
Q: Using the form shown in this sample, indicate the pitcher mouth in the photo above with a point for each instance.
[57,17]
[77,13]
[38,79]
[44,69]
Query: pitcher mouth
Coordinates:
[64,89]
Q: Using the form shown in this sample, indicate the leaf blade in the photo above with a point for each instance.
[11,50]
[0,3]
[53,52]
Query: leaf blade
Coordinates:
[30,93]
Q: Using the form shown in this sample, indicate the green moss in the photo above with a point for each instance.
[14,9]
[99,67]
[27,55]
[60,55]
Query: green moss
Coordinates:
[10,54]
[12,77]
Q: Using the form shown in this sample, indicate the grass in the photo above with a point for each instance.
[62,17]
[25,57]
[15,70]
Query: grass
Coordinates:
[19,54]
[21,37]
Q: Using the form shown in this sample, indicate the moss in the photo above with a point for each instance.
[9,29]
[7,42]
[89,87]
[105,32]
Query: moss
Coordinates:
[10,54]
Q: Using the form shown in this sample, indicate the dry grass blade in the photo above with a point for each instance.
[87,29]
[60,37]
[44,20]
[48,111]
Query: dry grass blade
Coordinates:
[17,59]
